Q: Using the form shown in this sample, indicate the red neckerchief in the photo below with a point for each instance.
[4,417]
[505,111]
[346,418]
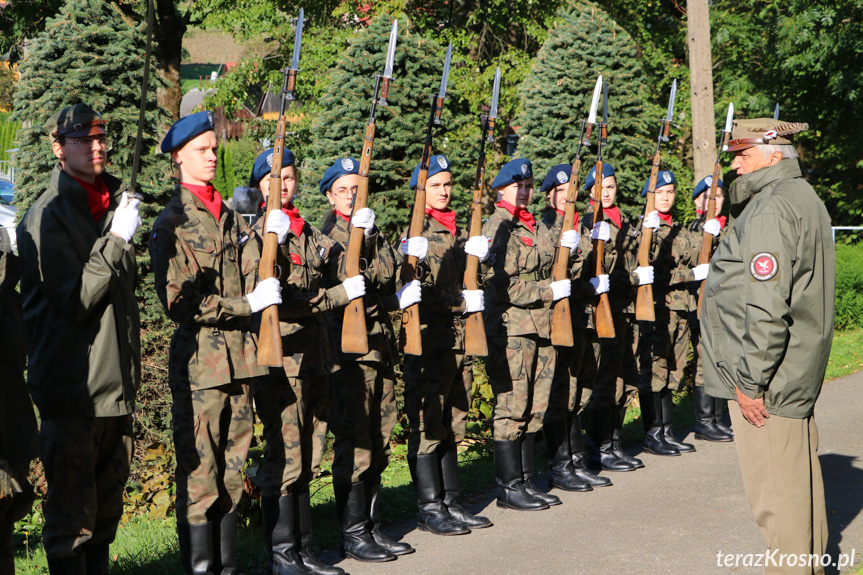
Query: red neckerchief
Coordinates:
[341,215]
[97,196]
[720,219]
[522,214]
[613,212]
[297,221]
[574,222]
[445,217]
[667,218]
[207,194]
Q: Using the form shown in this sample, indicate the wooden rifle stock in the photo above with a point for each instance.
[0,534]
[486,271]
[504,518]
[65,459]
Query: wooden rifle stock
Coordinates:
[602,311]
[561,319]
[707,239]
[411,335]
[475,342]
[644,306]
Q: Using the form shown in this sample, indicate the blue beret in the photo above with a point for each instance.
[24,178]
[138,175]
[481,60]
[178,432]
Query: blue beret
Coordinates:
[705,183]
[556,176]
[264,165]
[437,164]
[187,129]
[607,171]
[663,178]
[342,167]
[513,171]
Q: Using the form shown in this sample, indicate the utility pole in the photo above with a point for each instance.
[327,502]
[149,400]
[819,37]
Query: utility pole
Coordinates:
[701,86]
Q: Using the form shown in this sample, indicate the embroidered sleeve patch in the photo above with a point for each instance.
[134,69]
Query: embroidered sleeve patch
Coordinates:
[763,266]
[527,241]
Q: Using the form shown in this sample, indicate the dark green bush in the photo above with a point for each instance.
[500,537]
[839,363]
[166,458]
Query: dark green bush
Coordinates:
[849,286]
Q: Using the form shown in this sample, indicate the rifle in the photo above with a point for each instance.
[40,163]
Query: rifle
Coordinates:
[707,239]
[644,299]
[411,337]
[474,330]
[270,337]
[602,311]
[561,323]
[354,334]
[142,108]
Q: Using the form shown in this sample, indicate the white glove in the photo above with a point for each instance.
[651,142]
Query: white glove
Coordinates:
[477,246]
[417,246]
[700,271]
[355,286]
[569,239]
[126,220]
[712,227]
[645,275]
[410,294]
[651,220]
[600,284]
[473,300]
[364,218]
[561,289]
[268,292]
[279,223]
[601,232]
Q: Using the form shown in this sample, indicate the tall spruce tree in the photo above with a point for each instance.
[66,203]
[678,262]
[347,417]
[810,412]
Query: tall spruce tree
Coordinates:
[338,129]
[89,52]
[584,43]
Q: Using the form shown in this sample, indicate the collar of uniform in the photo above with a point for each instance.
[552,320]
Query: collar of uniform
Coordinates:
[747,185]
[66,186]
[187,197]
[510,217]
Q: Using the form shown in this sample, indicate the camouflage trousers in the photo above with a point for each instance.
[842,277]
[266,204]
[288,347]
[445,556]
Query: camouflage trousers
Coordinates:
[520,370]
[574,376]
[695,338]
[294,413]
[86,462]
[664,349]
[437,398]
[212,434]
[617,372]
[363,414]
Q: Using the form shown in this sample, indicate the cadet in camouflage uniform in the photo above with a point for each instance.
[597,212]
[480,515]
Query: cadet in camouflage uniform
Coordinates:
[17,421]
[81,321]
[294,400]
[363,410]
[664,343]
[575,370]
[617,375]
[708,410]
[437,395]
[204,261]
[519,294]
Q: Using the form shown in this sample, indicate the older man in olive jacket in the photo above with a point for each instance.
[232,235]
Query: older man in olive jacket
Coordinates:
[81,321]
[766,327]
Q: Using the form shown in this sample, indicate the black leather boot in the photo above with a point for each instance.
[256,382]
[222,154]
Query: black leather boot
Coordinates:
[578,455]
[96,555]
[719,416]
[357,541]
[373,500]
[196,548]
[511,492]
[225,544]
[280,536]
[448,457]
[651,417]
[563,475]
[705,417]
[527,444]
[602,455]
[303,520]
[666,399]
[434,516]
[618,415]
[76,565]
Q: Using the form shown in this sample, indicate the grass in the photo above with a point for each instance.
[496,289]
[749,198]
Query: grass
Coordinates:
[150,546]
[191,74]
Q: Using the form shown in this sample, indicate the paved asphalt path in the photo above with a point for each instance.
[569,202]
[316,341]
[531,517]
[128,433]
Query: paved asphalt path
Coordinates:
[672,517]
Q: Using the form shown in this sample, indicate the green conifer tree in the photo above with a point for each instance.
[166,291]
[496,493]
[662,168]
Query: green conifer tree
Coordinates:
[338,129]
[584,43]
[225,181]
[89,52]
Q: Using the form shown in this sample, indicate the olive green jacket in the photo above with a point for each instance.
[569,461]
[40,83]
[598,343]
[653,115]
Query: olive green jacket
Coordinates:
[80,311]
[767,314]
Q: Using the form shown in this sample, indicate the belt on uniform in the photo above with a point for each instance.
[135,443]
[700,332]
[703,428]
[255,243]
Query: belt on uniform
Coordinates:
[535,276]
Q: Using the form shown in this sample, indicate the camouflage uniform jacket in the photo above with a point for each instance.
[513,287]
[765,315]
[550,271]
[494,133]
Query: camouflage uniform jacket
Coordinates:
[621,259]
[203,270]
[80,310]
[311,261]
[517,276]
[380,298]
[696,230]
[674,253]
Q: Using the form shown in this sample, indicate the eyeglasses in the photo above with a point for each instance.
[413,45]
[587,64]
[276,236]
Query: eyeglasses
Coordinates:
[343,192]
[87,143]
